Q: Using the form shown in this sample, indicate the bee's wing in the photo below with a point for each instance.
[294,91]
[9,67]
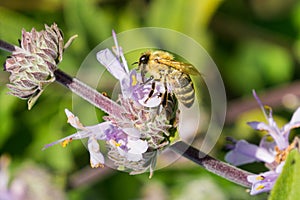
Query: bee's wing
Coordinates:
[180,66]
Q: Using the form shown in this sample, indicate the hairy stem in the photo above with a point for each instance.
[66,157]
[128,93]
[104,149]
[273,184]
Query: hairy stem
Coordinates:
[89,94]
[6,46]
[211,164]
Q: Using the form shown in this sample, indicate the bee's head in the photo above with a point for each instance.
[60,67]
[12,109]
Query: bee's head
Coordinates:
[143,63]
[144,59]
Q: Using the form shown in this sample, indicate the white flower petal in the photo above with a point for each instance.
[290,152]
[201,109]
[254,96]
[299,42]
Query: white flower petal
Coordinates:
[134,157]
[264,155]
[73,120]
[137,146]
[150,102]
[156,98]
[112,64]
[96,157]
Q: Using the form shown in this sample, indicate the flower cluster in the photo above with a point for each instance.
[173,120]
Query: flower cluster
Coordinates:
[272,152]
[144,128]
[32,65]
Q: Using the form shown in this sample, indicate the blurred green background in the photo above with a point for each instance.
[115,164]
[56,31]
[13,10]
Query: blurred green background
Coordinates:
[255,44]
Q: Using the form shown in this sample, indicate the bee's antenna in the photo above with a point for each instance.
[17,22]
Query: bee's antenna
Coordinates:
[135,63]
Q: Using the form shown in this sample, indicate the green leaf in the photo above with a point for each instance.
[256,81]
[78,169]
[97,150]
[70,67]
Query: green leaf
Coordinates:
[288,183]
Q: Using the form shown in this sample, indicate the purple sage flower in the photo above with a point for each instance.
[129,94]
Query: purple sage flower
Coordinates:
[133,140]
[273,153]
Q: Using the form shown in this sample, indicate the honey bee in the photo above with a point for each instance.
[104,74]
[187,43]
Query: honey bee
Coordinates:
[174,75]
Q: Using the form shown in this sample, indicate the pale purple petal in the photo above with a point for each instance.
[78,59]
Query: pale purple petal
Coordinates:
[268,145]
[124,62]
[273,131]
[133,87]
[132,132]
[98,130]
[260,104]
[126,88]
[76,136]
[117,47]
[119,51]
[261,126]
[279,167]
[112,64]
[263,182]
[245,152]
[286,128]
[140,91]
[296,116]
[294,123]
[69,138]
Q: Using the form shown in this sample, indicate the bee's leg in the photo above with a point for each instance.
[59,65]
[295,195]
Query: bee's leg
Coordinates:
[160,106]
[143,77]
[151,92]
[164,100]
[143,74]
[144,82]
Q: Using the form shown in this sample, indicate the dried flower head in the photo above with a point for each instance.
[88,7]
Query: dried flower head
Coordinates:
[32,65]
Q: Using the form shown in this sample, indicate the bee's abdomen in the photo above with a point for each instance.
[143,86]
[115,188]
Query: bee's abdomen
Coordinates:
[184,90]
